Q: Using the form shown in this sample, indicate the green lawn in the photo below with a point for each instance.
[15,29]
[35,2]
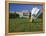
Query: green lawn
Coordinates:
[24,25]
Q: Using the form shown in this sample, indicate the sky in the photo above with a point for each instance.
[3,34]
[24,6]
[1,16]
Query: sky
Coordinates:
[20,7]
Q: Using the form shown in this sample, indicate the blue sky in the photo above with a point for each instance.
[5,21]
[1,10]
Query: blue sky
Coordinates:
[19,7]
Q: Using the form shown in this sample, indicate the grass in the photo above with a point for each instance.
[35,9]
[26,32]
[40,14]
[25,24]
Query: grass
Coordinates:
[24,25]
